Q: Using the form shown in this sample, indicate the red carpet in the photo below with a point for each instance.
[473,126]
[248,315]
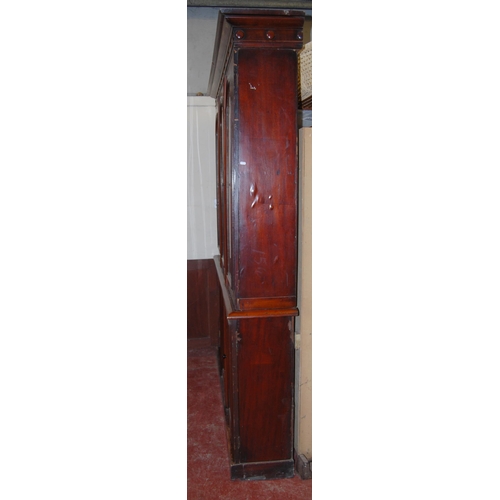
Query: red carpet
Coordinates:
[208,461]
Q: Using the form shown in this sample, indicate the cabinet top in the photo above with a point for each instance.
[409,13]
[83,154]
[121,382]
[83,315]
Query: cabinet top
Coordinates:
[252,28]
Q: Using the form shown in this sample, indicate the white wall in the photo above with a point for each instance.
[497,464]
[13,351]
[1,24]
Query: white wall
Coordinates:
[201,194]
[201,29]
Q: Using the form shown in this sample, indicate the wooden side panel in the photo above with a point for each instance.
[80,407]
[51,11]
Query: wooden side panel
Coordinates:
[265,392]
[226,361]
[266,172]
[202,302]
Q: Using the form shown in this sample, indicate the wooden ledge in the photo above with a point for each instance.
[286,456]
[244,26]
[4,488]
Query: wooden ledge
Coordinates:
[235,313]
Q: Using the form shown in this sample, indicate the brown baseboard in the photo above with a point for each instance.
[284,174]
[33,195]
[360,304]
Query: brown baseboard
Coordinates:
[302,466]
[202,301]
[198,343]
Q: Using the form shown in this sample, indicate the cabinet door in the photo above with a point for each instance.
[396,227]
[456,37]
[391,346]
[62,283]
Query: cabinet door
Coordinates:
[265,361]
[228,180]
[227,364]
[226,358]
[218,164]
[221,181]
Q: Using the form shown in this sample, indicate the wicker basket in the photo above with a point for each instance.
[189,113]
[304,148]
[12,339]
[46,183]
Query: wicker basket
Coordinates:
[305,76]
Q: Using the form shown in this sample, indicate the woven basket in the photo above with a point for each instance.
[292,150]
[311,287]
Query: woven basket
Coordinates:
[305,76]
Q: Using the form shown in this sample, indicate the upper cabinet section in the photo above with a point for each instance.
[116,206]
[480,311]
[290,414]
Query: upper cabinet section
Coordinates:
[254,81]
[251,28]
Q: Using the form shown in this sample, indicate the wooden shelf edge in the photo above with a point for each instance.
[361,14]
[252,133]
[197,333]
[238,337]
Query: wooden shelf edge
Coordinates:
[233,313]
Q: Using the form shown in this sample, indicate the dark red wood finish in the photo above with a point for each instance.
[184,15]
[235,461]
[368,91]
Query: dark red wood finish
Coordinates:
[265,370]
[202,303]
[266,171]
[254,79]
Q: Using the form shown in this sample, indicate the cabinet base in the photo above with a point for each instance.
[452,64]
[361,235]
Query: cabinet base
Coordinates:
[281,469]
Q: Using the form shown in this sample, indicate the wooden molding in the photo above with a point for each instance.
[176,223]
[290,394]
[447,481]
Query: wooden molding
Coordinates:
[278,4]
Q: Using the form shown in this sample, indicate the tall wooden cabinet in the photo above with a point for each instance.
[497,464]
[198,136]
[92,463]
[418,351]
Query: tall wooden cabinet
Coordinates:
[254,82]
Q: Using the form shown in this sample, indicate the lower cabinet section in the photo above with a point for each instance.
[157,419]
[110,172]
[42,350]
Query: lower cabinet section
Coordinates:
[256,357]
[264,368]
